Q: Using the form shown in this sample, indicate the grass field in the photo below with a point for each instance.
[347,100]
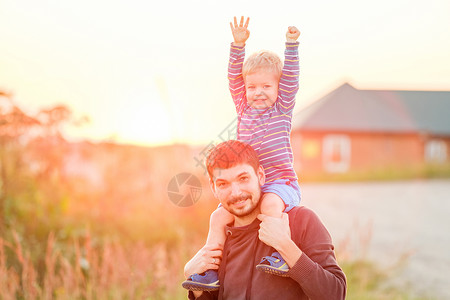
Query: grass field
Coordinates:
[86,269]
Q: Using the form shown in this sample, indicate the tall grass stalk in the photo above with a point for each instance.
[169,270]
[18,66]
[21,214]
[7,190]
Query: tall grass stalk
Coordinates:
[110,271]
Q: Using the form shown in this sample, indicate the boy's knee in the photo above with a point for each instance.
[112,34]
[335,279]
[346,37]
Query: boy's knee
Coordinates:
[220,216]
[272,205]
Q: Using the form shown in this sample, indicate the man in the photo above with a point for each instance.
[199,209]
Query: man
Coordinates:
[300,237]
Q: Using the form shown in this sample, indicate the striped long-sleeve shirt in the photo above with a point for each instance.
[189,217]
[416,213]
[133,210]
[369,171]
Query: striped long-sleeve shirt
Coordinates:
[267,130]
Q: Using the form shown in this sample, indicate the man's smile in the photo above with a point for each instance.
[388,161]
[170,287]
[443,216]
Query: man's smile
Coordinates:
[239,201]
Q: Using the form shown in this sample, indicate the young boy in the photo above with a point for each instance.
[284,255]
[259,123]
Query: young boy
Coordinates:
[263,91]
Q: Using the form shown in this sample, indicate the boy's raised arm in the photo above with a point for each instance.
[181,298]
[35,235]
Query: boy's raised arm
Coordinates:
[288,85]
[292,34]
[236,61]
[240,32]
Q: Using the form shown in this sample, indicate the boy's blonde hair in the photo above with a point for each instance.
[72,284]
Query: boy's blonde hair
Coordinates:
[262,60]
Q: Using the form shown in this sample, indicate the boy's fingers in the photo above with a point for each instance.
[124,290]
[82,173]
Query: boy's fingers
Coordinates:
[242,21]
[246,23]
[231,26]
[235,22]
[216,253]
[213,247]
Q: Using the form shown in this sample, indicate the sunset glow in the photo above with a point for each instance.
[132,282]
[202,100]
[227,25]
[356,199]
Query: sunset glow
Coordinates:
[151,74]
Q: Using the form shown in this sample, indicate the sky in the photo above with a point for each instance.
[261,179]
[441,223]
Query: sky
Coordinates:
[152,74]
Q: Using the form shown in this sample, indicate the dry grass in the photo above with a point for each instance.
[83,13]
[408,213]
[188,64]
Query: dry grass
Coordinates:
[110,271]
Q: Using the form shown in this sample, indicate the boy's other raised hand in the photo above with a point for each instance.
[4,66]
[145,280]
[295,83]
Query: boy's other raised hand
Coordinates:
[292,34]
[240,32]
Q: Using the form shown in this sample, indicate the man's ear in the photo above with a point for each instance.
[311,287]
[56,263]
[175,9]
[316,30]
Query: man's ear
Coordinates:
[213,187]
[261,175]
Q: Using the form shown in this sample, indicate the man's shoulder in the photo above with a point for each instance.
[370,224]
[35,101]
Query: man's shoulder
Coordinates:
[303,214]
[304,222]
[303,210]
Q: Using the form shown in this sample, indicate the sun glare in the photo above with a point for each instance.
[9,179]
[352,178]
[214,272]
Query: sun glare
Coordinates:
[144,122]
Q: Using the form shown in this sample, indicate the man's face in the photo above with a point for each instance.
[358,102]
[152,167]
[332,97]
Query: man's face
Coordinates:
[261,88]
[238,188]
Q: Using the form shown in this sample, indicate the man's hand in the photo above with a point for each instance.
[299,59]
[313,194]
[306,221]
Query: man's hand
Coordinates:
[292,34]
[240,32]
[274,232]
[207,258]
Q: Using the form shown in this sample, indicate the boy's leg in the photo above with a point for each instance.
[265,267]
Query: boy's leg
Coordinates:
[217,222]
[208,280]
[272,205]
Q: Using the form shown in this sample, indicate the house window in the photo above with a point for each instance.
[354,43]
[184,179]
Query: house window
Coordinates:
[435,151]
[336,153]
[311,148]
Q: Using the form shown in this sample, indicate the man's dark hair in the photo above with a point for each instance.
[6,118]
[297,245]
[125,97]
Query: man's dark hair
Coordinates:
[229,154]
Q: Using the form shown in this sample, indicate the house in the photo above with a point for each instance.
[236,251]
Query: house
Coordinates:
[364,130]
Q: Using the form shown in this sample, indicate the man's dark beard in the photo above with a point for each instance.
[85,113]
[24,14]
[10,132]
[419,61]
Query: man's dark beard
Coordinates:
[239,198]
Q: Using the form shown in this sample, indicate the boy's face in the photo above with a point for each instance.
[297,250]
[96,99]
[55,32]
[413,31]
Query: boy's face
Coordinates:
[261,88]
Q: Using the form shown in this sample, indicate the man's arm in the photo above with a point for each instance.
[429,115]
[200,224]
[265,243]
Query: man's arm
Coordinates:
[309,253]
[276,233]
[289,82]
[203,260]
[237,55]
[196,295]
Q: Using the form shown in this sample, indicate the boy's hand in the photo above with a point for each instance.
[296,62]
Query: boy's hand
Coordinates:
[240,32]
[292,34]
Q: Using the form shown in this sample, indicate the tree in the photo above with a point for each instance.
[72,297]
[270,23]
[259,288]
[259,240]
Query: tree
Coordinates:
[30,145]
[14,123]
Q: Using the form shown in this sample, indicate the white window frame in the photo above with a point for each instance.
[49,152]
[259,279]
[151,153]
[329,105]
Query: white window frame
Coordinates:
[435,151]
[329,144]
